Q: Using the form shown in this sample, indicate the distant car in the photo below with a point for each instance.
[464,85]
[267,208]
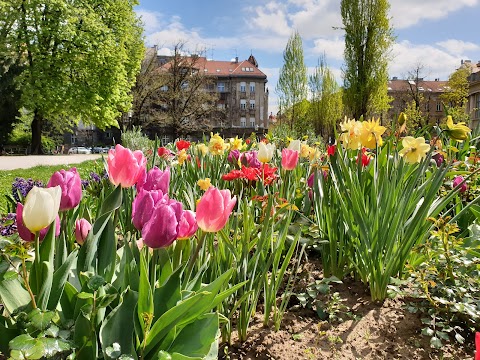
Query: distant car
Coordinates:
[79,150]
[97,150]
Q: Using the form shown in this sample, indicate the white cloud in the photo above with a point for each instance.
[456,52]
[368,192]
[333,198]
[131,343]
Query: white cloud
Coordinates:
[270,18]
[406,13]
[436,62]
[333,49]
[150,20]
[458,47]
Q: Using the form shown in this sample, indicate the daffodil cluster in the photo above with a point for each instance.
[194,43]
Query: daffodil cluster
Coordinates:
[358,134]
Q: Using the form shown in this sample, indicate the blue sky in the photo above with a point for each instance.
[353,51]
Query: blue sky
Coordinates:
[434,34]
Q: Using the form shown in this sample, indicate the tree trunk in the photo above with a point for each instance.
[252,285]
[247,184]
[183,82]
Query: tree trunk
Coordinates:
[37,124]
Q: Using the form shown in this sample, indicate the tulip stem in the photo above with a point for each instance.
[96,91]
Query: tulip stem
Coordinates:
[201,240]
[38,268]
[27,285]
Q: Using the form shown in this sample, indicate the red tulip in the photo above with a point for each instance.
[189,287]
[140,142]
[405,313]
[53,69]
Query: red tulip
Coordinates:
[214,209]
[289,159]
[182,144]
[82,228]
[71,185]
[163,152]
[25,233]
[125,167]
[331,150]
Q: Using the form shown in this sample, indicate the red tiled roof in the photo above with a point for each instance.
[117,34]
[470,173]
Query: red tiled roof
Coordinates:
[423,85]
[226,68]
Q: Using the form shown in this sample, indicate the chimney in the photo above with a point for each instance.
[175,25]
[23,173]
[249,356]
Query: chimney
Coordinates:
[395,78]
[236,59]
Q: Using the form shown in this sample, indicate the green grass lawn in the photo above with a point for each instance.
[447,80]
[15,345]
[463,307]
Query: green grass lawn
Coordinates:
[43,173]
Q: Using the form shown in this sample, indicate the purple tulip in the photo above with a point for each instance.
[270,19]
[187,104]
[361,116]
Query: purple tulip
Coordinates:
[460,180]
[233,156]
[438,159]
[143,205]
[71,185]
[161,230]
[155,179]
[250,159]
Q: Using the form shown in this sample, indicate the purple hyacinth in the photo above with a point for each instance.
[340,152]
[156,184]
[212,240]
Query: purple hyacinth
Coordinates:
[21,187]
[8,225]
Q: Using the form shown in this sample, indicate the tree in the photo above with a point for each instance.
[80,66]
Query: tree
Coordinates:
[292,83]
[178,94]
[455,96]
[9,100]
[368,39]
[79,59]
[326,101]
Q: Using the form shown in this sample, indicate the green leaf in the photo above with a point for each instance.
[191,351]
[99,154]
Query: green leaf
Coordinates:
[41,319]
[22,342]
[44,294]
[114,329]
[435,343]
[196,338]
[168,294]
[107,252]
[112,201]
[113,351]
[145,298]
[68,301]
[95,282]
[59,279]
[85,339]
[13,295]
[54,346]
[7,334]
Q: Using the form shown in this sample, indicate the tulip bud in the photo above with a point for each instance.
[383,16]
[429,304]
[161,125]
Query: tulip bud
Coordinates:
[402,118]
[41,207]
[187,225]
[214,209]
[82,228]
[460,180]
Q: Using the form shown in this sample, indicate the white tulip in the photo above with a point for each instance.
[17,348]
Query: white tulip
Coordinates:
[41,207]
[295,145]
[265,152]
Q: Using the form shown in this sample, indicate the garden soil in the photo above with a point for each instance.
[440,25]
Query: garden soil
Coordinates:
[370,331]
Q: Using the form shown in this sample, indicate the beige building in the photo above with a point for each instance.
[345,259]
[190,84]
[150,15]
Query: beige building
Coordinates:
[425,93]
[473,105]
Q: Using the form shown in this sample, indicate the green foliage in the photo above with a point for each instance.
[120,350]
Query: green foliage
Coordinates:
[368,40]
[134,139]
[292,82]
[455,96]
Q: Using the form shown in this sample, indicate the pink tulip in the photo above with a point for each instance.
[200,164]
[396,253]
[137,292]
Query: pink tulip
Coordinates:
[71,185]
[460,180]
[214,209]
[155,179]
[161,230]
[124,166]
[477,346]
[187,226]
[289,159]
[143,205]
[82,228]
[23,231]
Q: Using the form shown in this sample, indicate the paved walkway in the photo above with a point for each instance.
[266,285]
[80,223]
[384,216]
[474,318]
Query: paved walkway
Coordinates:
[8,162]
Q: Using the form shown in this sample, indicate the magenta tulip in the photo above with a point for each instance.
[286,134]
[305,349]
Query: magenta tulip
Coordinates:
[161,230]
[250,159]
[82,228]
[460,180]
[155,179]
[25,233]
[125,167]
[187,226]
[289,159]
[143,205]
[71,185]
[214,209]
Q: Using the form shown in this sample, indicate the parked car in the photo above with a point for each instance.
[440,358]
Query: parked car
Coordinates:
[79,150]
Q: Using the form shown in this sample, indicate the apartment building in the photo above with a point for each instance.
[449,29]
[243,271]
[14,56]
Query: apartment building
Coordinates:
[473,105]
[425,93]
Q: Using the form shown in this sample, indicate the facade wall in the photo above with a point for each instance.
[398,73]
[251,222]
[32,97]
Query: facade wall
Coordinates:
[473,105]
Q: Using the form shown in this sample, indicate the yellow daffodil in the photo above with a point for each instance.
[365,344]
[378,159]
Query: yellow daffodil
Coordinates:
[236,144]
[371,133]
[182,156]
[458,131]
[414,149]
[217,145]
[350,137]
[402,118]
[41,207]
[305,151]
[204,184]
[202,148]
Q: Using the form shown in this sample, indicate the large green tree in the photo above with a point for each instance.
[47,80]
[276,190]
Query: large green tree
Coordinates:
[455,97]
[79,59]
[326,107]
[292,83]
[368,40]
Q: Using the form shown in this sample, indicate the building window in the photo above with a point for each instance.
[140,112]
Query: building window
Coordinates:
[243,104]
[252,87]
[221,87]
[73,139]
[427,106]
[252,122]
[164,88]
[220,106]
[252,104]
[439,106]
[165,139]
[108,134]
[243,122]
[477,106]
[243,87]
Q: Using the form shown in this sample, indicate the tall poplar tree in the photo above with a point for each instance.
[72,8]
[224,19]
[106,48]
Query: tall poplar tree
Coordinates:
[292,83]
[79,59]
[368,40]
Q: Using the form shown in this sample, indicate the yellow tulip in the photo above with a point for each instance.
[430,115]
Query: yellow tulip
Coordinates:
[414,149]
[41,207]
[458,131]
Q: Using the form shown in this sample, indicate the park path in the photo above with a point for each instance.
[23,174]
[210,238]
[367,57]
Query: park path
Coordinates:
[8,162]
